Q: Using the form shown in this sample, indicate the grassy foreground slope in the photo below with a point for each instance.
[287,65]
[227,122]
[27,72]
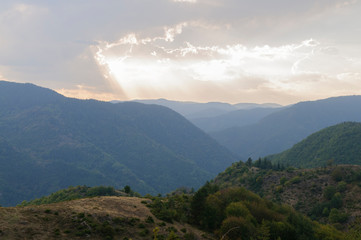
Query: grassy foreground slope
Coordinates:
[230,213]
[89,218]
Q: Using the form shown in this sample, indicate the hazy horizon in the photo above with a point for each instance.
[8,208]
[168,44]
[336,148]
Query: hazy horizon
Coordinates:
[184,50]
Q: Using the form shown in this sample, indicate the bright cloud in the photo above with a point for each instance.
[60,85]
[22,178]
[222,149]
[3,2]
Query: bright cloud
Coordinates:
[156,68]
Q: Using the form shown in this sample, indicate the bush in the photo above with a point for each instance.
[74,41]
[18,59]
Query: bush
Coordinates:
[283,180]
[295,180]
[341,186]
[337,216]
[328,192]
[337,174]
[149,220]
[237,209]
[237,227]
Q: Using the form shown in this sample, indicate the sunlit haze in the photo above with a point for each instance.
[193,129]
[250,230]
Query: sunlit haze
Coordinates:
[188,50]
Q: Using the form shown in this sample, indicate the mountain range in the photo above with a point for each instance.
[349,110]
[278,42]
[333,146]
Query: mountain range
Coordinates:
[49,142]
[282,129]
[194,110]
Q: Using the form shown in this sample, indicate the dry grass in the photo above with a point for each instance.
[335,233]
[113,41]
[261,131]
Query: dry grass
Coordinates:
[89,218]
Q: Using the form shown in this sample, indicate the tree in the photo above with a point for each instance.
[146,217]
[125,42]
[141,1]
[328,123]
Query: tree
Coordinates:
[127,189]
[249,162]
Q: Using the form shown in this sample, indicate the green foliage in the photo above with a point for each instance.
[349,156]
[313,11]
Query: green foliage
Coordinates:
[341,143]
[295,180]
[337,174]
[172,236]
[236,213]
[337,216]
[329,192]
[127,189]
[237,209]
[341,186]
[354,232]
[172,208]
[283,180]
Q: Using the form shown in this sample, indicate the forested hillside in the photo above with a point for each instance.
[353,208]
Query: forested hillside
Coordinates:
[329,194]
[49,142]
[339,144]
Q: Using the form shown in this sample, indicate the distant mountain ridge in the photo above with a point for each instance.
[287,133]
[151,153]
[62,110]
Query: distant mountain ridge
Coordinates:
[216,116]
[340,143]
[237,118]
[282,129]
[192,110]
[64,141]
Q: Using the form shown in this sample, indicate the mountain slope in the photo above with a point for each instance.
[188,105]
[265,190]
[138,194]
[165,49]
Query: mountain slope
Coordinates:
[195,110]
[85,142]
[314,192]
[281,130]
[341,143]
[238,118]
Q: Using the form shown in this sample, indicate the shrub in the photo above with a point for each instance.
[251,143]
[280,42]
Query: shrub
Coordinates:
[149,220]
[237,209]
[295,180]
[337,174]
[341,186]
[337,216]
[144,232]
[328,192]
[283,180]
[237,227]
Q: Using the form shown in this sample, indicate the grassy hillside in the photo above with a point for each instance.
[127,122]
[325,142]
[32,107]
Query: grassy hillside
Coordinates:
[340,143]
[281,130]
[49,142]
[229,213]
[90,218]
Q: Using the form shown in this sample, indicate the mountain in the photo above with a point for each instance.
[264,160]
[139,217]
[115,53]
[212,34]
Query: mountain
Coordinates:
[194,110]
[340,143]
[282,129]
[238,118]
[217,116]
[49,142]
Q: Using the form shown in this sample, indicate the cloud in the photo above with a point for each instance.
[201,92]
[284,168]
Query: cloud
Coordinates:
[161,65]
[183,49]
[185,1]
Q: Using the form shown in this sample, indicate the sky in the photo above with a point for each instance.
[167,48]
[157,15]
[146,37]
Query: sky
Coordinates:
[279,51]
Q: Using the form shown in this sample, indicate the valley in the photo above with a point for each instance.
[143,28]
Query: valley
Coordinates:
[167,178]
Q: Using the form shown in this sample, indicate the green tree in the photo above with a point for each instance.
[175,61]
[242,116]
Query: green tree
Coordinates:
[249,162]
[127,189]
